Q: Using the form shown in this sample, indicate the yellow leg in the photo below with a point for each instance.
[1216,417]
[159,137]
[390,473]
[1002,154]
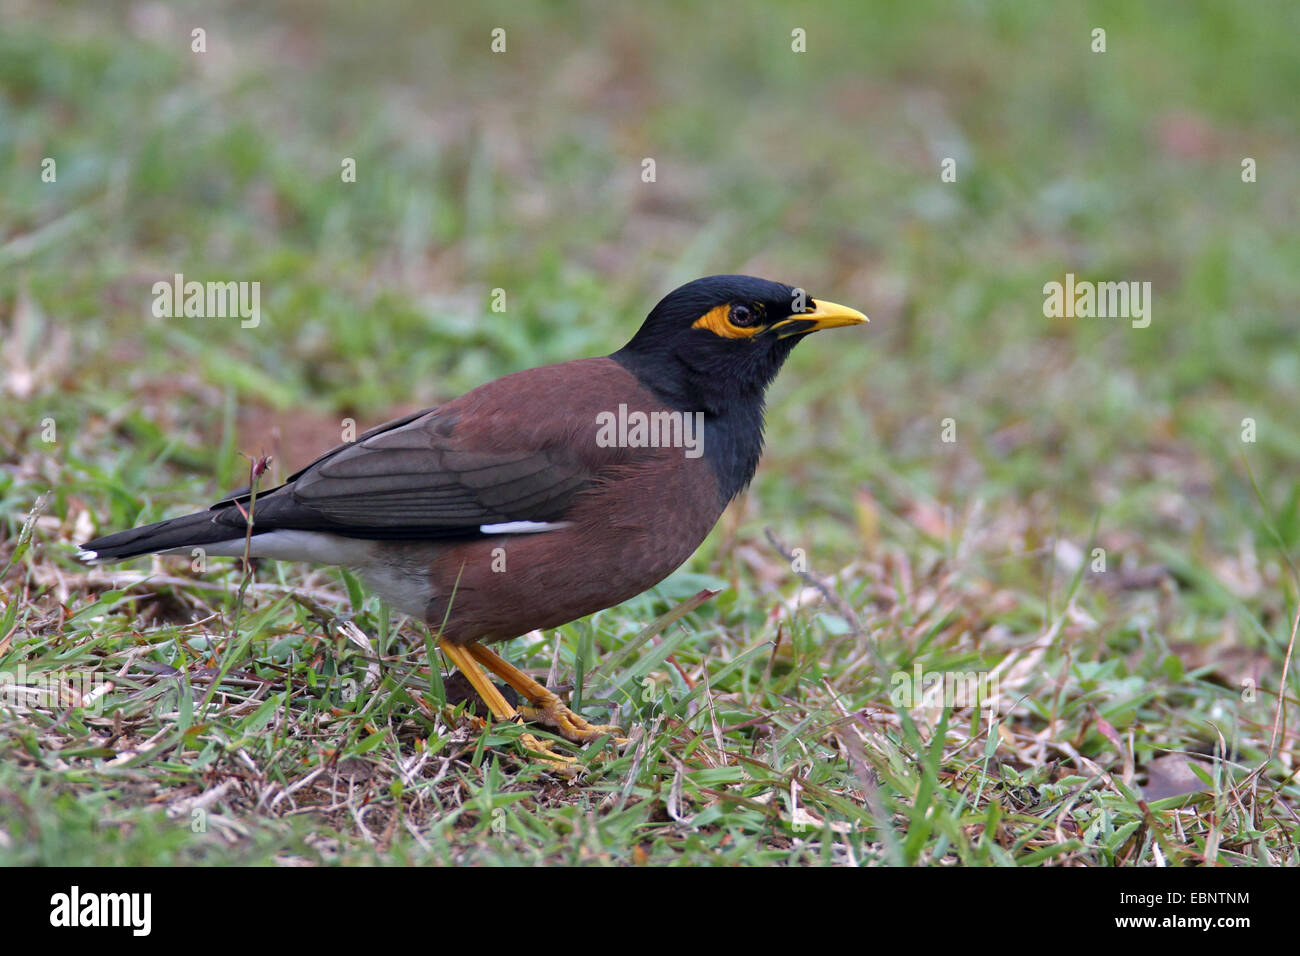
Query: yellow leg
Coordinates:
[500,707]
[546,707]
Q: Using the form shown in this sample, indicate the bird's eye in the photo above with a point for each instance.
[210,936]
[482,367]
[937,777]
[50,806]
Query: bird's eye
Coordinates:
[741,315]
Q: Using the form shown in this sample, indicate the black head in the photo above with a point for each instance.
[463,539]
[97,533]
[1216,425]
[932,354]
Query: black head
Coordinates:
[720,340]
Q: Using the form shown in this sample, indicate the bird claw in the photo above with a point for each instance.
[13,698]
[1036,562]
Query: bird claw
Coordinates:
[572,727]
[542,750]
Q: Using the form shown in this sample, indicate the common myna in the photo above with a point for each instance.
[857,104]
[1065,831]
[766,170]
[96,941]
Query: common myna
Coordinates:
[538,498]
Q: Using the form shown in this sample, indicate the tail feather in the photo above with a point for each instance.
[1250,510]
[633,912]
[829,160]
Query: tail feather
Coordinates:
[192,530]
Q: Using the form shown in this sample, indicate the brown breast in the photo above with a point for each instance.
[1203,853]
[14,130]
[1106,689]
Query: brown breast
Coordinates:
[645,514]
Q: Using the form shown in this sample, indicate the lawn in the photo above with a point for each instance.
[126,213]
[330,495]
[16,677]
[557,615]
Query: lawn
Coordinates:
[1082,530]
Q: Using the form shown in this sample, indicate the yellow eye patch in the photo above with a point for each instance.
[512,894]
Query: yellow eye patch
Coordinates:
[718,321]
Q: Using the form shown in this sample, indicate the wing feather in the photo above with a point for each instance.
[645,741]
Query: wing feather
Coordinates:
[447,471]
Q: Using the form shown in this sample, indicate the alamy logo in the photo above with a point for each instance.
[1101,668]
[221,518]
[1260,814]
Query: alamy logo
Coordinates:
[54,689]
[660,429]
[208,300]
[959,689]
[74,908]
[1102,300]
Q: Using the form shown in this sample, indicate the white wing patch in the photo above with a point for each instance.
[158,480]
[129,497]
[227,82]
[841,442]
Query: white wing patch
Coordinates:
[522,527]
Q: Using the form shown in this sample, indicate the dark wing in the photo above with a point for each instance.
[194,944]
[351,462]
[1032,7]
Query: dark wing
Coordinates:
[425,476]
[241,493]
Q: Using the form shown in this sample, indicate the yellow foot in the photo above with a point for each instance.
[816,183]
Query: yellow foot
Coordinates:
[541,749]
[544,707]
[567,724]
[501,709]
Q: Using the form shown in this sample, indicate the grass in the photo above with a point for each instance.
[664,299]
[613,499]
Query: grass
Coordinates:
[772,723]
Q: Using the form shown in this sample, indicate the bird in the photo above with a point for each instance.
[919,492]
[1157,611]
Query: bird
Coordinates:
[538,498]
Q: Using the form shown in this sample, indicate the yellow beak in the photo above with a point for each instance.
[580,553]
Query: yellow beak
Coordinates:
[828,315]
[822,315]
